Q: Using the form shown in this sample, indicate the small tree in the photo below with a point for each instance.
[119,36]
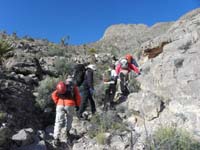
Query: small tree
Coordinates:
[65,40]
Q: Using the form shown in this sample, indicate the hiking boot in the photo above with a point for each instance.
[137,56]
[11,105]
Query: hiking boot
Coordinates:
[56,142]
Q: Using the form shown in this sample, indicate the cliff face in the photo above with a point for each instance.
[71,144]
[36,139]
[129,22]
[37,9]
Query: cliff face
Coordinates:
[169,83]
[123,38]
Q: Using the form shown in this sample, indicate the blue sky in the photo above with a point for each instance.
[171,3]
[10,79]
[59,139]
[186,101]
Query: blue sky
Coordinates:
[85,21]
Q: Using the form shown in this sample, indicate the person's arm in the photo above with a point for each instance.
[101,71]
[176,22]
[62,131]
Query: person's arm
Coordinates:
[55,97]
[117,69]
[77,96]
[134,68]
[135,63]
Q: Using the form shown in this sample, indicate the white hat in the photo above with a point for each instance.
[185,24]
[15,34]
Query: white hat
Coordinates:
[93,67]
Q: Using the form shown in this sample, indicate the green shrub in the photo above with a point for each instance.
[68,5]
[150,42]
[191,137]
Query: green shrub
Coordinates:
[92,50]
[55,50]
[45,88]
[173,139]
[106,122]
[100,137]
[62,67]
[4,48]
[2,116]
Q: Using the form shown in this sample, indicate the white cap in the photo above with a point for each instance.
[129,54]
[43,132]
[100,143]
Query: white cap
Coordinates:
[93,67]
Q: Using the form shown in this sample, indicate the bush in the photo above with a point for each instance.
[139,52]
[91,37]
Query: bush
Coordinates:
[106,122]
[101,139]
[2,116]
[92,50]
[45,88]
[55,50]
[173,139]
[4,48]
[62,66]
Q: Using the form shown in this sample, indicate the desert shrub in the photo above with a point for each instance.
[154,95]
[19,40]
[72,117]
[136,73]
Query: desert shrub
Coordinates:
[4,48]
[92,50]
[173,138]
[62,67]
[2,116]
[105,122]
[101,139]
[55,50]
[45,88]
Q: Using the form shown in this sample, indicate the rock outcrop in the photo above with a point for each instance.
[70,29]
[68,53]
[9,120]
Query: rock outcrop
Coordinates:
[173,76]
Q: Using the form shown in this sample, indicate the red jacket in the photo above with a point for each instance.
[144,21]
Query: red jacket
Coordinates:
[67,102]
[130,67]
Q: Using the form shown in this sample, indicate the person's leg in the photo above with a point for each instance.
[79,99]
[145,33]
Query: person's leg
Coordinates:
[92,103]
[106,99]
[112,95]
[118,90]
[69,118]
[60,116]
[126,90]
[84,102]
[122,82]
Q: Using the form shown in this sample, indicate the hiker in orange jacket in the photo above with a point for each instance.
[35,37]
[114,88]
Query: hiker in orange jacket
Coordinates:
[66,97]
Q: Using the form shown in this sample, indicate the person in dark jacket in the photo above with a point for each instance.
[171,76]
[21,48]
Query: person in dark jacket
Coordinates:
[87,91]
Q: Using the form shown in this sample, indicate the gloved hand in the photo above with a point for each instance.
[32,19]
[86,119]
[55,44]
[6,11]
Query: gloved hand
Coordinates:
[91,91]
[77,108]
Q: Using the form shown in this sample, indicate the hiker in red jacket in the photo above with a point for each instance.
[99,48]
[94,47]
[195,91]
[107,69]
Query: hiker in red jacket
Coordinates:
[124,66]
[66,97]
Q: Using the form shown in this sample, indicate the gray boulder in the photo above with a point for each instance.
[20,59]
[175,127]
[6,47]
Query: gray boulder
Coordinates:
[24,137]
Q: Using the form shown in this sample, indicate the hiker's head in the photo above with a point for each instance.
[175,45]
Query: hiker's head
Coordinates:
[93,67]
[129,58]
[61,87]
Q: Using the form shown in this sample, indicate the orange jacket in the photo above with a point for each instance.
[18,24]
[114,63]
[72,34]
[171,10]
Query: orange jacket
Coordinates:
[67,102]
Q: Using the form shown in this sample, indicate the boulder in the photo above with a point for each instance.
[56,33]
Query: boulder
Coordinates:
[24,137]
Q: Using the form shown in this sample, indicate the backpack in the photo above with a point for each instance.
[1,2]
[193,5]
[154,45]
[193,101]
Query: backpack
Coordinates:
[124,63]
[79,74]
[69,94]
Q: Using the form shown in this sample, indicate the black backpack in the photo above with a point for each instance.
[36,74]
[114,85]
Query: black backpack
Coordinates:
[79,74]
